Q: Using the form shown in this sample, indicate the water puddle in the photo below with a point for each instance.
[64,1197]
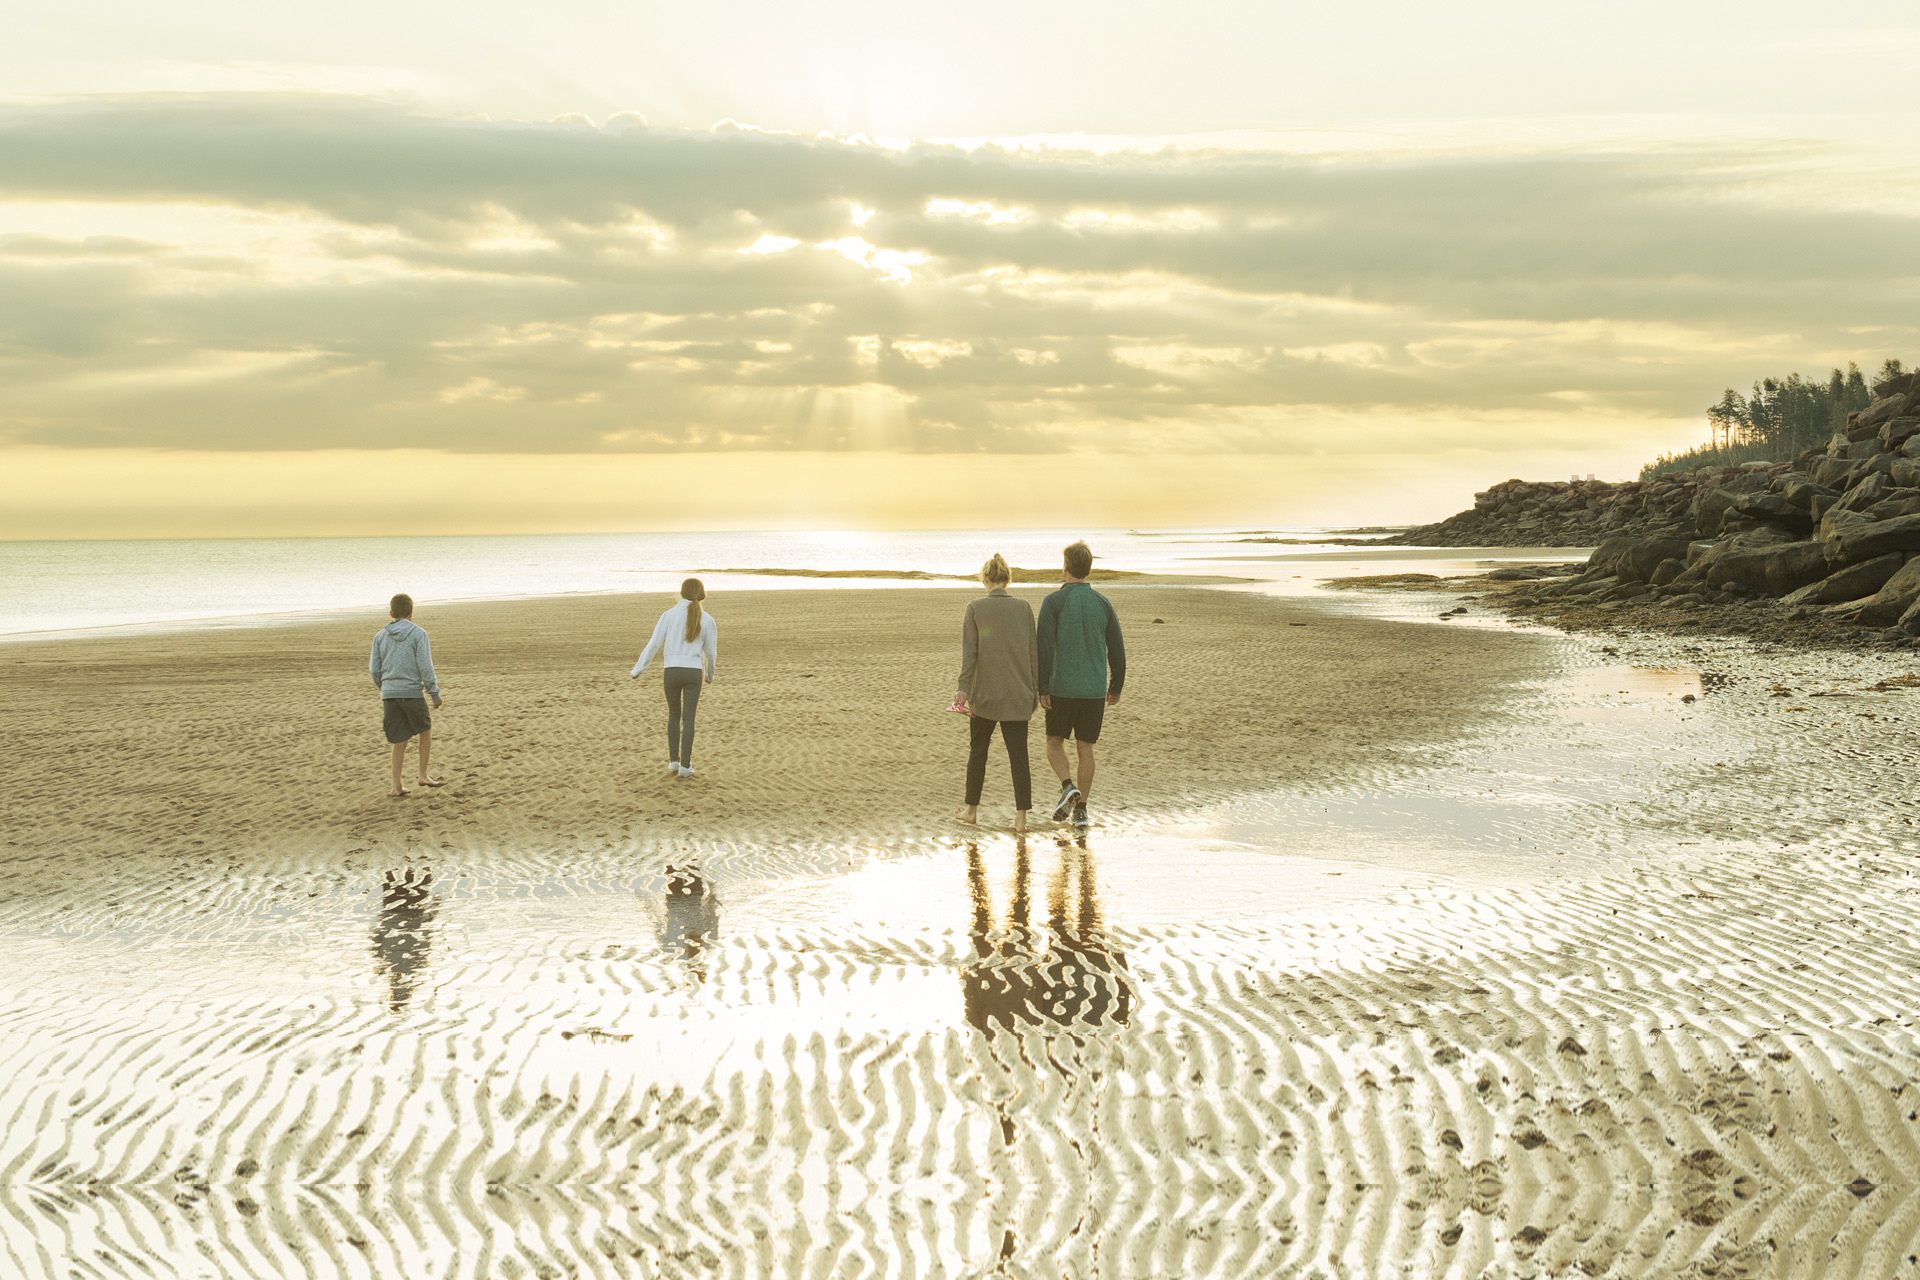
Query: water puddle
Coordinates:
[1637,683]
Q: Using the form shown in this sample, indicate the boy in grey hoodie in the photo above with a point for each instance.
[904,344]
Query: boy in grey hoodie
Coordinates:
[402,669]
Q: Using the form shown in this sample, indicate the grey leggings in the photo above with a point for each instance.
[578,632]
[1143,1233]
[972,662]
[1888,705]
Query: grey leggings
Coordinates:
[683,700]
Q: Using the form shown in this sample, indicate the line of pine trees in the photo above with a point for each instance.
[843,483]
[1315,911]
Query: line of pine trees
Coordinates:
[1781,418]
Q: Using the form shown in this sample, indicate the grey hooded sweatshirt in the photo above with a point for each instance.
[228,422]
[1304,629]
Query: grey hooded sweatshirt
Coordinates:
[402,661]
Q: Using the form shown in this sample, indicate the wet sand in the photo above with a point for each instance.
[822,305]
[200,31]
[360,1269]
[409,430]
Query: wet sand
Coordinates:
[1148,1051]
[827,721]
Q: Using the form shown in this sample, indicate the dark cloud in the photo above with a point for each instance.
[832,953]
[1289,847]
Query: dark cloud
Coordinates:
[370,276]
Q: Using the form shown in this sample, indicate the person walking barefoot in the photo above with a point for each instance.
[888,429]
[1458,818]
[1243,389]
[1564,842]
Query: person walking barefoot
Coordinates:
[402,669]
[1083,666]
[999,666]
[690,640]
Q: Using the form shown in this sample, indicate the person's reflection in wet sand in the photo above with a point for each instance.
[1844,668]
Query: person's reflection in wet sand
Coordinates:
[1079,980]
[692,918]
[1077,984]
[403,935]
[1086,977]
[997,985]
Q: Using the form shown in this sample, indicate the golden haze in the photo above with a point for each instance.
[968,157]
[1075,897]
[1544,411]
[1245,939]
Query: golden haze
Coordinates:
[135,493]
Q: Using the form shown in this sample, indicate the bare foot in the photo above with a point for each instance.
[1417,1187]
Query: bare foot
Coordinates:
[397,795]
[428,782]
[962,814]
[1020,823]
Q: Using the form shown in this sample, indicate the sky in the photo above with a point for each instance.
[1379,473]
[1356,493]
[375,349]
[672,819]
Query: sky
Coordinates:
[594,266]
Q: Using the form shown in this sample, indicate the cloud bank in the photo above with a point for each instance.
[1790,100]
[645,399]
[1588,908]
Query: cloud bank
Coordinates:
[233,272]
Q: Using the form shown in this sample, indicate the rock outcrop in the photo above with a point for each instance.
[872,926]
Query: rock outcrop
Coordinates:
[1563,513]
[1834,534]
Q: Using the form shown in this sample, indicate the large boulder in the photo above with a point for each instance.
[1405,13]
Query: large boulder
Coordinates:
[1895,432]
[1851,583]
[1899,384]
[1757,533]
[1711,502]
[1900,502]
[1800,491]
[1633,559]
[1881,410]
[1851,537]
[1828,473]
[1709,507]
[1839,441]
[1772,508]
[1891,602]
[1775,569]
[1869,489]
[1905,473]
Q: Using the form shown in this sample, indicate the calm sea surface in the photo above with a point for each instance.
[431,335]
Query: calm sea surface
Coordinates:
[85,586]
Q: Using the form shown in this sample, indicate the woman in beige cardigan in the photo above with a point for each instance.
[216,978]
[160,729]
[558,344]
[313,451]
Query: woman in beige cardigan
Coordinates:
[999,684]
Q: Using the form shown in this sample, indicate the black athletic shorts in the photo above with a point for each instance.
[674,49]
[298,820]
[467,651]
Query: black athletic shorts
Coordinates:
[1076,718]
[405,718]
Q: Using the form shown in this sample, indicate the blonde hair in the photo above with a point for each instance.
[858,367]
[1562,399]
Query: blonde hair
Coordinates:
[995,572]
[693,593]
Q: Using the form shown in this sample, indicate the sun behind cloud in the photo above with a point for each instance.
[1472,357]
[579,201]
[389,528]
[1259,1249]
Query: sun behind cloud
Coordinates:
[280,274]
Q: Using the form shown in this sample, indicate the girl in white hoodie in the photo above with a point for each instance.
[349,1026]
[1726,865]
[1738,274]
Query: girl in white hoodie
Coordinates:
[690,639]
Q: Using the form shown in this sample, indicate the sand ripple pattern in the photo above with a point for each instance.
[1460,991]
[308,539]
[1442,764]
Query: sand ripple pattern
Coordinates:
[1623,1078]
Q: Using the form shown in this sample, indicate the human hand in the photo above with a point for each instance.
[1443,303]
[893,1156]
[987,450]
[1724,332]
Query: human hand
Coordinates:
[1113,699]
[436,704]
[1046,703]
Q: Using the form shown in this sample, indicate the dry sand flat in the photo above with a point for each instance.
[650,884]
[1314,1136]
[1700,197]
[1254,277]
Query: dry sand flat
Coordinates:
[826,721]
[492,1060]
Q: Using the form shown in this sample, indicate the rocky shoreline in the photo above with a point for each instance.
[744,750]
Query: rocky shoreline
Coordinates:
[1823,550]
[1564,513]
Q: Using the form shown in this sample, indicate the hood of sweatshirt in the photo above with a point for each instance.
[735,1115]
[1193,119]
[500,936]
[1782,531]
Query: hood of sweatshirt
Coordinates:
[399,628]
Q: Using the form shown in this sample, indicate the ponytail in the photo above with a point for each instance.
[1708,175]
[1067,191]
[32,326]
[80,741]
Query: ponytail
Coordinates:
[693,593]
[995,573]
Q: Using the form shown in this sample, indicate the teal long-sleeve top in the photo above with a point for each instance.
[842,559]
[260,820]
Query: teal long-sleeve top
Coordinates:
[1081,652]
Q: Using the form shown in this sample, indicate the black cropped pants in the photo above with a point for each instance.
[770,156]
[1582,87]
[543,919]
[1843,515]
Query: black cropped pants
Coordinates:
[1014,734]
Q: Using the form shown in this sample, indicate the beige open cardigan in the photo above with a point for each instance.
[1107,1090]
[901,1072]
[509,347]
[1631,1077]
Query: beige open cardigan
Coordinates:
[1000,657]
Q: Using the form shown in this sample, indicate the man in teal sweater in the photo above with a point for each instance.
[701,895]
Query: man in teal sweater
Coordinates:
[1083,665]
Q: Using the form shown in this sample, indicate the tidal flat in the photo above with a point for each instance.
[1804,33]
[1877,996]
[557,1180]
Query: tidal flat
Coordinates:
[1396,947]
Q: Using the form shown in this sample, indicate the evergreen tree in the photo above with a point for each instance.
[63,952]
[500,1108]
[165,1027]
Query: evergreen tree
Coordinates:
[1780,419]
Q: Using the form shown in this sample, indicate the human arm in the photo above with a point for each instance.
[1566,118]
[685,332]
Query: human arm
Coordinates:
[1033,653]
[653,645]
[1116,654]
[376,660]
[427,680]
[1048,635]
[710,642]
[969,654]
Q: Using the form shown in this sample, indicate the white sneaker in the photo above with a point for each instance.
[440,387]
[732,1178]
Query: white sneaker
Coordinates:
[686,771]
[673,767]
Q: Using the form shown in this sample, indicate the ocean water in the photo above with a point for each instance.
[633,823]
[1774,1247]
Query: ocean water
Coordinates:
[54,587]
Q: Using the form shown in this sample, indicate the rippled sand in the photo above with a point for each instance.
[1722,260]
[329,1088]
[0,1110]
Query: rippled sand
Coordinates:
[1501,962]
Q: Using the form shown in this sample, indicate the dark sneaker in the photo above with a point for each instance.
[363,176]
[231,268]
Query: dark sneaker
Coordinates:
[1068,795]
[1080,815]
